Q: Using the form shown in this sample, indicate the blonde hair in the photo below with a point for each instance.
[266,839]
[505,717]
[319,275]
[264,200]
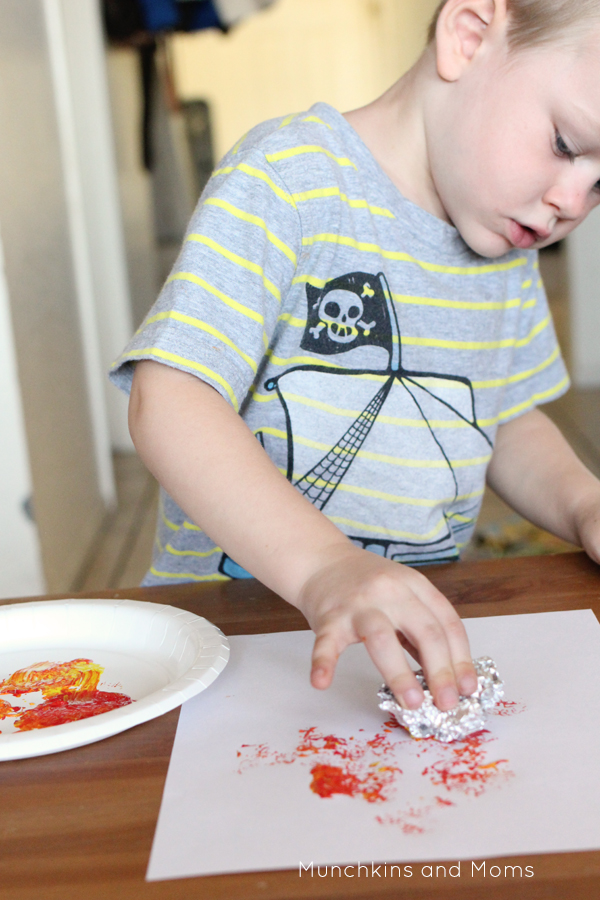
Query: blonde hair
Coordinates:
[534,22]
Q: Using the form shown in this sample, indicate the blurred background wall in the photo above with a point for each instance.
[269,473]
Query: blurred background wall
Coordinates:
[343,52]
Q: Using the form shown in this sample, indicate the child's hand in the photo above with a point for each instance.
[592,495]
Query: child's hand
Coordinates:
[587,523]
[361,597]
[209,461]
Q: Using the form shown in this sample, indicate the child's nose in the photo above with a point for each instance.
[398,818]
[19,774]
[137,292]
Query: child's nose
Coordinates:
[570,198]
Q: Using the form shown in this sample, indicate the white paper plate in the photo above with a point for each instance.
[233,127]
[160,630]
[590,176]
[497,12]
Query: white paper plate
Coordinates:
[157,655]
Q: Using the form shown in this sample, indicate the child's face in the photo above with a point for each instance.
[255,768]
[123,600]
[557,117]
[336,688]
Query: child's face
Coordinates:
[515,153]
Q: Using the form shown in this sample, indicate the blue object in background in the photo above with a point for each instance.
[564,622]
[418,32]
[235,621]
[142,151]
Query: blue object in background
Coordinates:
[196,16]
[231,568]
[160,15]
[186,15]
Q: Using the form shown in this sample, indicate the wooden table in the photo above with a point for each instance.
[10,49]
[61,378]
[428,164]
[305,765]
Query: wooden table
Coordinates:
[79,825]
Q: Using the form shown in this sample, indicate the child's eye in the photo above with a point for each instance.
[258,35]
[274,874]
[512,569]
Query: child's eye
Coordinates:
[561,148]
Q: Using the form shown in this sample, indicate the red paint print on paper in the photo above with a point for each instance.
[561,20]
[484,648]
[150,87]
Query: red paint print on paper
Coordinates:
[508,708]
[464,766]
[351,766]
[68,693]
[439,775]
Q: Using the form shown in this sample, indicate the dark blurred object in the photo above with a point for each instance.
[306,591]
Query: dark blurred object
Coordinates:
[195,16]
[185,15]
[147,54]
[123,19]
[133,21]
[196,115]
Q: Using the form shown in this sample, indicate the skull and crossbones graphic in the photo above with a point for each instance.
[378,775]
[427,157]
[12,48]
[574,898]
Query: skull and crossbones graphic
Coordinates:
[341,313]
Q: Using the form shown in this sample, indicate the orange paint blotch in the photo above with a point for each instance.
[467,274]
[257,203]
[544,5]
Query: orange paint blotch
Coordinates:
[53,679]
[330,780]
[5,709]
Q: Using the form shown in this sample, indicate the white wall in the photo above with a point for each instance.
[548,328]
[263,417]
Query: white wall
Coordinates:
[71,82]
[344,52]
[584,275]
[20,561]
[47,269]
[97,228]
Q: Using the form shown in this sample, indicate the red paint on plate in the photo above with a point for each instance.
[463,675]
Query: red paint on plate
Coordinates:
[70,708]
[69,691]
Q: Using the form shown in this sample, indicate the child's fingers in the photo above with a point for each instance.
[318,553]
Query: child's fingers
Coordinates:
[427,635]
[412,651]
[381,640]
[324,659]
[455,635]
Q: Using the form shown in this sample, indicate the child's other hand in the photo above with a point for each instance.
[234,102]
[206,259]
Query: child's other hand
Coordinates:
[360,596]
[587,524]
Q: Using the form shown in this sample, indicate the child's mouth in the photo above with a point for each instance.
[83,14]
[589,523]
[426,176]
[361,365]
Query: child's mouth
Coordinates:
[521,236]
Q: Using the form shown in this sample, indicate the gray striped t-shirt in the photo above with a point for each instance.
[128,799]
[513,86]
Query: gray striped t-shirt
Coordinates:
[370,351]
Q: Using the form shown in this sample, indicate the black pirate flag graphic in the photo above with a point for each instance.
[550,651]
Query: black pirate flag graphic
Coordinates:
[357,310]
[350,311]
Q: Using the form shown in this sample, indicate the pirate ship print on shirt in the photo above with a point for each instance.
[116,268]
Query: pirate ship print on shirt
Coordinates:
[412,424]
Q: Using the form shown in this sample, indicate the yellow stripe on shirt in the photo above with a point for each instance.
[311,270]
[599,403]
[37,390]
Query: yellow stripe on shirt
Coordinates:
[309,148]
[253,220]
[237,260]
[406,257]
[203,326]
[383,457]
[457,304]
[519,376]
[325,193]
[239,307]
[381,418]
[534,400]
[189,576]
[169,524]
[477,345]
[288,120]
[199,553]
[392,498]
[389,532]
[238,144]
[159,353]
[256,173]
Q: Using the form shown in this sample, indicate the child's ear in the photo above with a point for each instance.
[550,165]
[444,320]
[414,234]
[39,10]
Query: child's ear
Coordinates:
[460,32]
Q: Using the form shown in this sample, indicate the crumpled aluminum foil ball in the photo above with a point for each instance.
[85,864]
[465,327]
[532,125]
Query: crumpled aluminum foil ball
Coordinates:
[466,718]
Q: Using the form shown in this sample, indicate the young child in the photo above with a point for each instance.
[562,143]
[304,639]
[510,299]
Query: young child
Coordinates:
[355,322]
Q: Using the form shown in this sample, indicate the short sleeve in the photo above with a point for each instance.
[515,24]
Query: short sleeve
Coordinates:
[537,373]
[218,309]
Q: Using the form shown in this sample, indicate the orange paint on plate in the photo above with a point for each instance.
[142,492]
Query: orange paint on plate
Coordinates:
[53,679]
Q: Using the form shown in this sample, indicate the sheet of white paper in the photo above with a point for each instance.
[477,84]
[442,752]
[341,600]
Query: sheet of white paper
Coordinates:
[256,755]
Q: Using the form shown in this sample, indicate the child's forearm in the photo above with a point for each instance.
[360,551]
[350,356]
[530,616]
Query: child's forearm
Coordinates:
[208,460]
[535,470]
[211,464]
